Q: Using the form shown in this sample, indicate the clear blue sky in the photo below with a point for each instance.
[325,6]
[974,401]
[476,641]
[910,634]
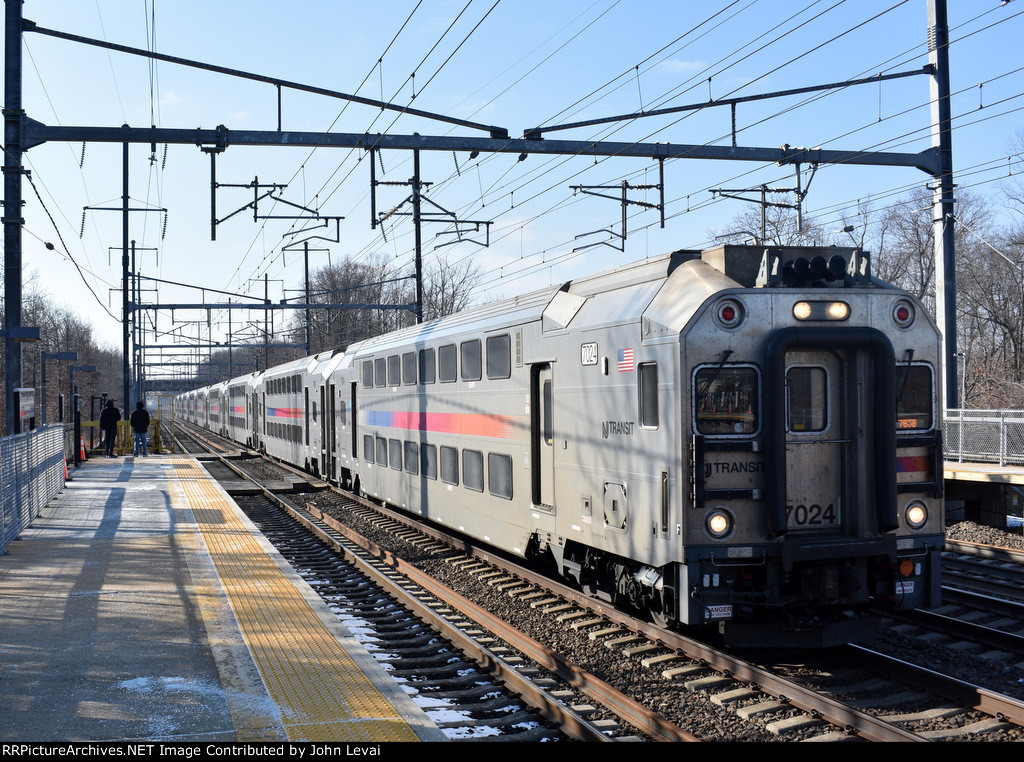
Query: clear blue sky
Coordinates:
[515,64]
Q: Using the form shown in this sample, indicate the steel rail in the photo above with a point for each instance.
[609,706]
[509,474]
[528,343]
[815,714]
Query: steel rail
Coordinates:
[977,600]
[1008,555]
[978,633]
[984,700]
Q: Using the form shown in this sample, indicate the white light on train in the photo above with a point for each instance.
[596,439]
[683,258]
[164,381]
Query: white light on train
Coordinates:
[821,310]
[838,310]
[916,515]
[718,523]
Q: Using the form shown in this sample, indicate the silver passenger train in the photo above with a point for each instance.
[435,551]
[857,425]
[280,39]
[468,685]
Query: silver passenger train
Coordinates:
[743,437]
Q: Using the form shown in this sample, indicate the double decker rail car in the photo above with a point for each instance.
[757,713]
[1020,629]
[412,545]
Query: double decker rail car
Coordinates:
[745,438]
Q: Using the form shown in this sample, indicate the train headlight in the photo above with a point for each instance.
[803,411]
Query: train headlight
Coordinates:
[729,313]
[821,311]
[718,523]
[916,514]
[903,314]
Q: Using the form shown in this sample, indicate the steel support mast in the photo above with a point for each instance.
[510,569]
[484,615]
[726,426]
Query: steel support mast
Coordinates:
[942,197]
[12,219]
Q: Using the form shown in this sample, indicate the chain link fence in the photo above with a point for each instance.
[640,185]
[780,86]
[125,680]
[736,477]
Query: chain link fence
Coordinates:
[31,473]
[985,436]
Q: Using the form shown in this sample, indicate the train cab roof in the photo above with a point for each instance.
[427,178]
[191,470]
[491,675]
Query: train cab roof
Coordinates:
[302,365]
[662,291]
[327,365]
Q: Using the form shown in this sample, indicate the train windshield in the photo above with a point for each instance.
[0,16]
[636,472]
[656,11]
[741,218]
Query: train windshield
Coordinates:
[807,398]
[914,394]
[726,400]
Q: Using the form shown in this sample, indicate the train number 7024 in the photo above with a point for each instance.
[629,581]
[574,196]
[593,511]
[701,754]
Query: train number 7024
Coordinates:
[811,515]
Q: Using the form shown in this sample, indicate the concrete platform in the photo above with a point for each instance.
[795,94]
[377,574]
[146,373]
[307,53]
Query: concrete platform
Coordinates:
[142,604]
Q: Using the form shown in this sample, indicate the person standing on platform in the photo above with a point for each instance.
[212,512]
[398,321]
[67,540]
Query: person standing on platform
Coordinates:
[108,425]
[140,425]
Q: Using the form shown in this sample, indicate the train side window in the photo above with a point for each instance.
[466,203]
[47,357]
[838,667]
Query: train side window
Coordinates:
[725,400]
[382,451]
[548,423]
[806,399]
[368,448]
[473,470]
[428,461]
[499,475]
[395,454]
[915,390]
[427,372]
[447,363]
[380,372]
[471,361]
[449,465]
[367,374]
[647,380]
[394,370]
[409,368]
[412,458]
[499,356]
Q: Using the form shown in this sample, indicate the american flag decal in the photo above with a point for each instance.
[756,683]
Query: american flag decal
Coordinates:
[626,360]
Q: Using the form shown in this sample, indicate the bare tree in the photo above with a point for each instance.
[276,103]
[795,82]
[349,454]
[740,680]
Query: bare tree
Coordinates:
[380,299]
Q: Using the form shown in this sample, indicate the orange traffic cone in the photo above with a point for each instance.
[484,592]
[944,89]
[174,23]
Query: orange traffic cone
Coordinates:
[81,444]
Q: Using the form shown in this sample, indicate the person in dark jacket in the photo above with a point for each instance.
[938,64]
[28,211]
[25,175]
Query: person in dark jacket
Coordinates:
[140,425]
[108,425]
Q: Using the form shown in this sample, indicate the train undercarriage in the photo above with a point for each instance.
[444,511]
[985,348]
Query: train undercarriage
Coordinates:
[775,603]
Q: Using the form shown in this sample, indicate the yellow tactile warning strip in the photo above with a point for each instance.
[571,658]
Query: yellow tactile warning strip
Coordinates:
[321,692]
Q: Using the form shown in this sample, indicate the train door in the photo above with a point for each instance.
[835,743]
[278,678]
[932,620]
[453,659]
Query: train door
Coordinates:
[354,423]
[327,411]
[254,417]
[542,436]
[818,444]
[332,434]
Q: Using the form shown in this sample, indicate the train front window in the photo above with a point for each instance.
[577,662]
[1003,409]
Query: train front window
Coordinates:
[725,400]
[806,399]
[914,394]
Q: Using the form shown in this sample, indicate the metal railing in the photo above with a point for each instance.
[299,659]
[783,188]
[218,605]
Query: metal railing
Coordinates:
[31,473]
[986,436]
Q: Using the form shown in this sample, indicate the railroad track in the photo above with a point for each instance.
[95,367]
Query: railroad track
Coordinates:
[485,687]
[682,682]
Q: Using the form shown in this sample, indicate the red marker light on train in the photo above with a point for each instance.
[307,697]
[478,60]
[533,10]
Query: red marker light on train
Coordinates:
[903,314]
[730,313]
